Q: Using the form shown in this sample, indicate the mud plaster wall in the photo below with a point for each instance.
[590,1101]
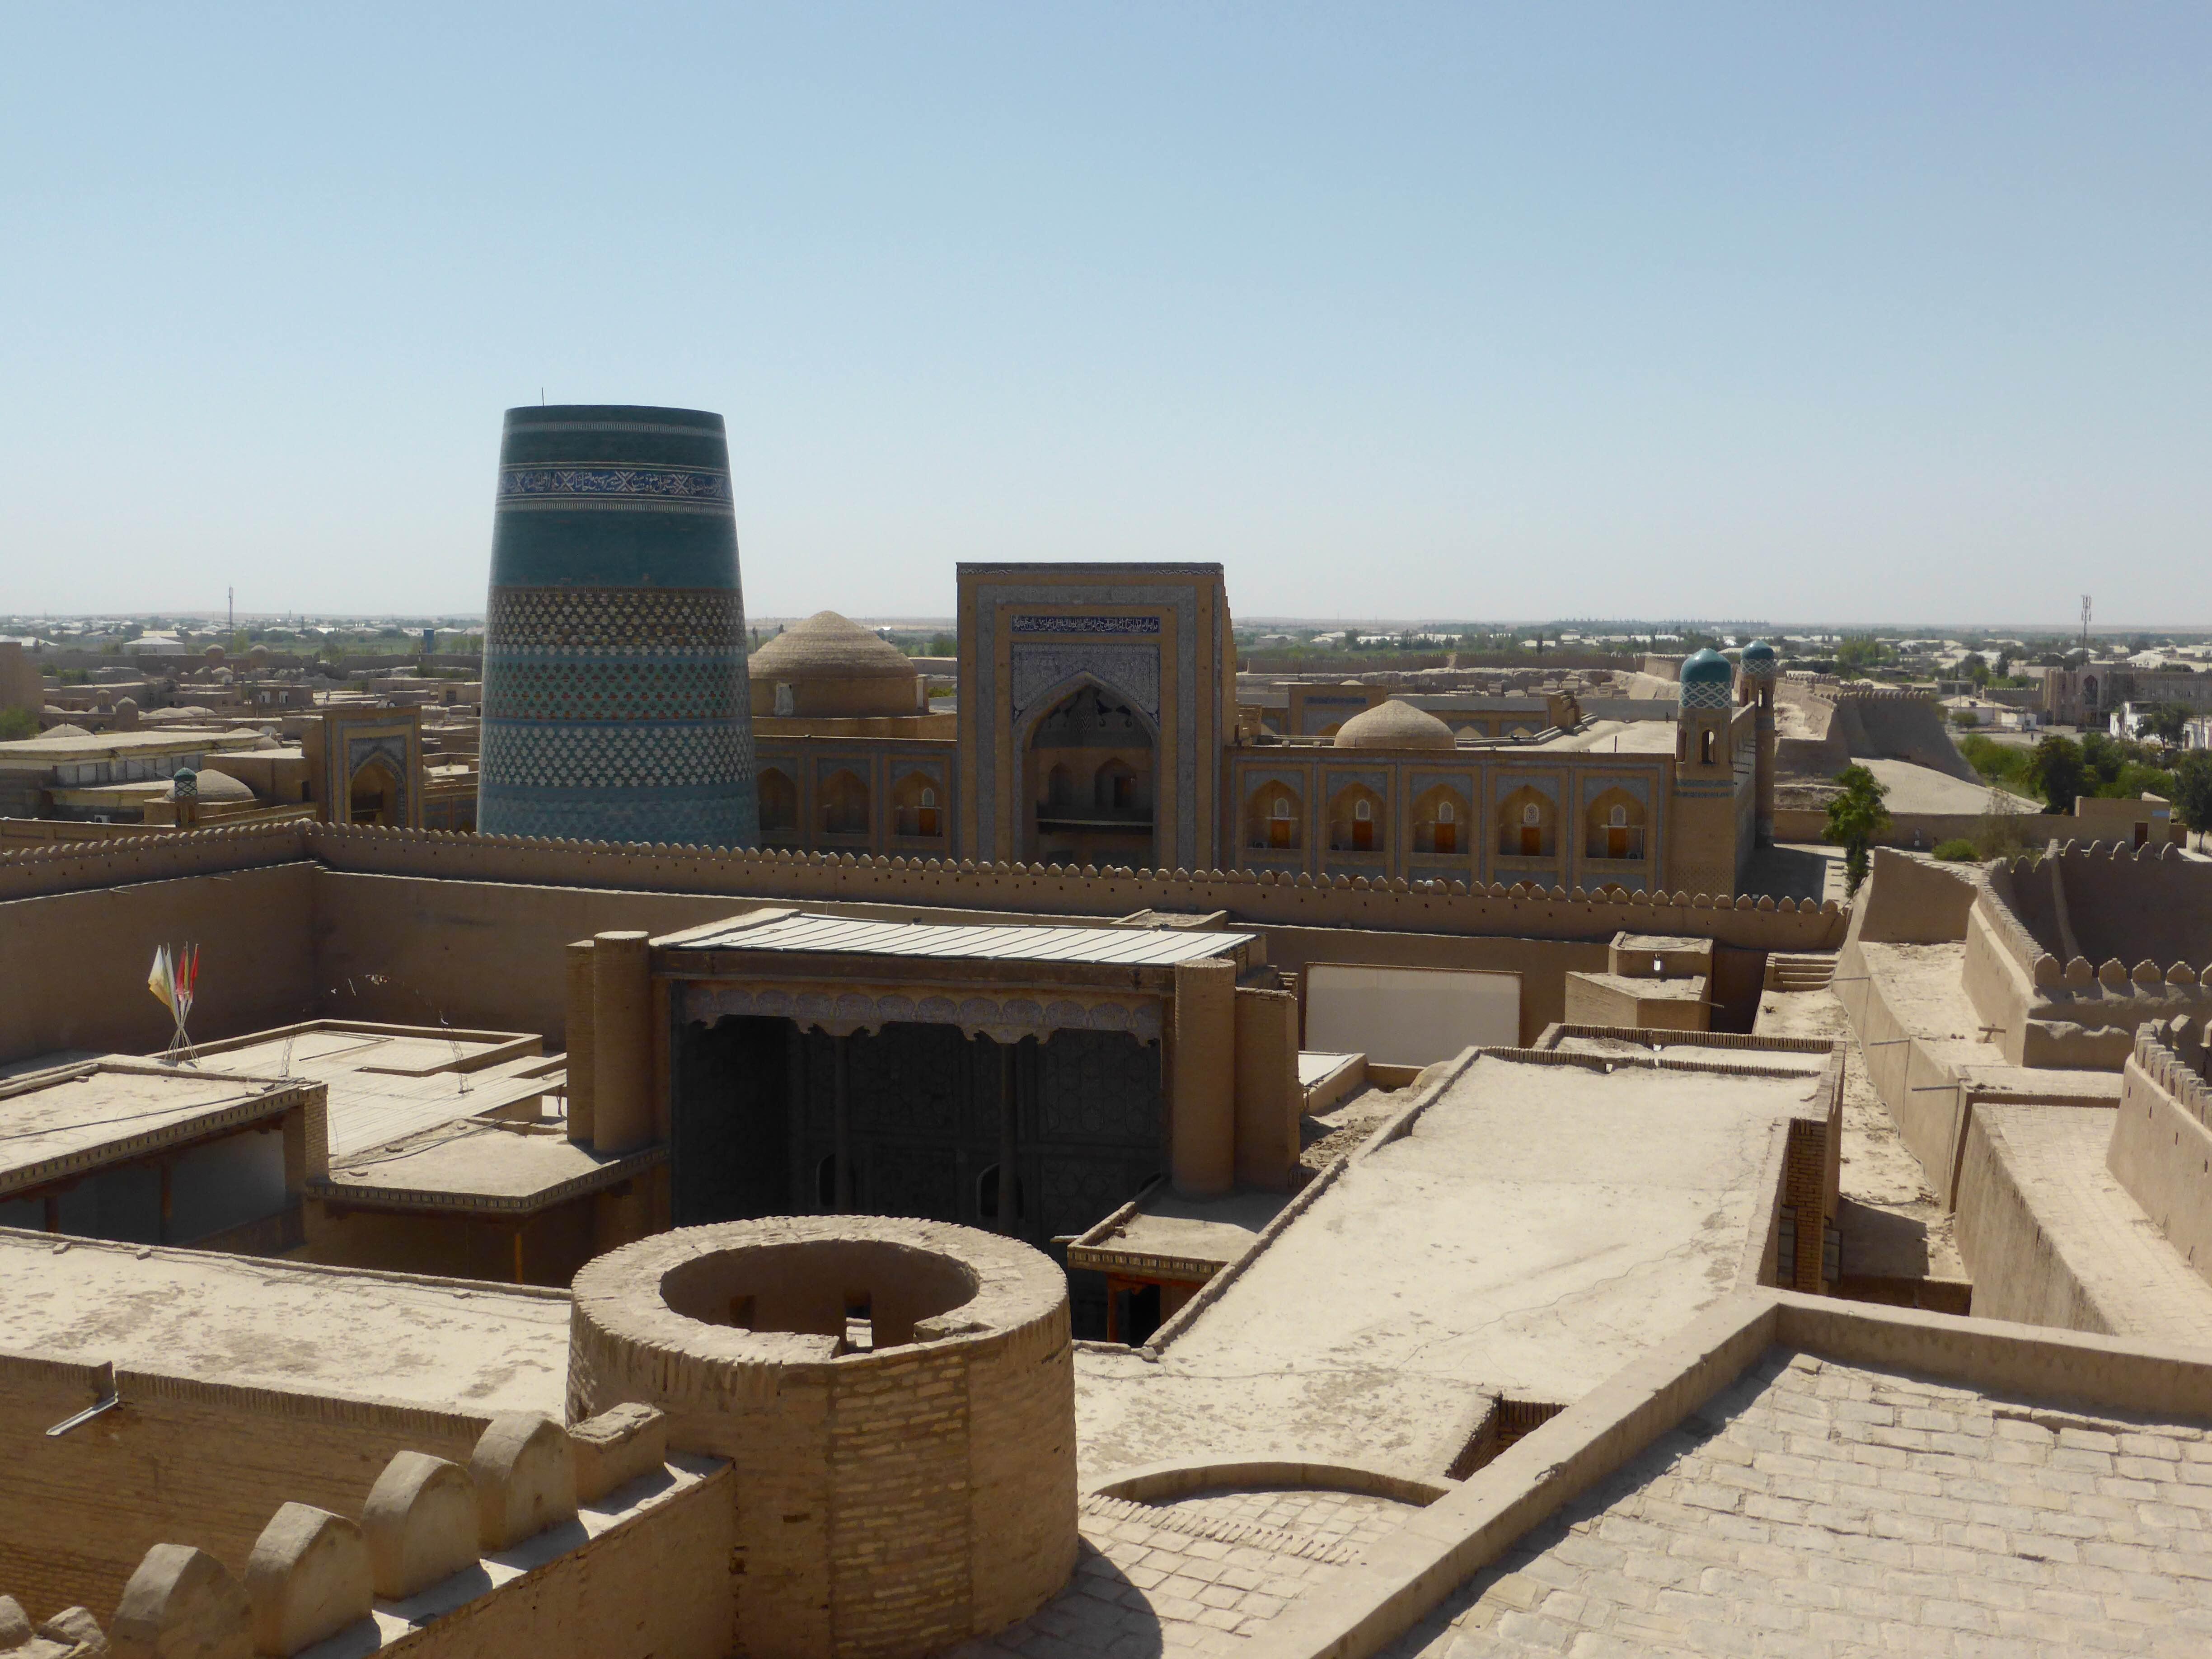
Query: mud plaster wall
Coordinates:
[178,1462]
[74,965]
[2163,1155]
[610,1598]
[2018,1272]
[2122,904]
[1543,963]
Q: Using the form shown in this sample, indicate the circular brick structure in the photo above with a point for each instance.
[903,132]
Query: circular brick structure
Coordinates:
[897,1396]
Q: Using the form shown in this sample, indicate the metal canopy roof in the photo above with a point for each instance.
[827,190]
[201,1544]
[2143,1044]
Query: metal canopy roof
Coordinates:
[1146,947]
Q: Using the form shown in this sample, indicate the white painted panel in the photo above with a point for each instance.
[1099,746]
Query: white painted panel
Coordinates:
[1409,1016]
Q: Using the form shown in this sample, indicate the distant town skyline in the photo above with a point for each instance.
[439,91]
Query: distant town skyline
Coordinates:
[1432,311]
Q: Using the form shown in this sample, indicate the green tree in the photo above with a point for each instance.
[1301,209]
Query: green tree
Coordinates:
[2168,722]
[2192,791]
[2055,771]
[2102,757]
[1858,653]
[1856,819]
[16,724]
[1975,668]
[1998,763]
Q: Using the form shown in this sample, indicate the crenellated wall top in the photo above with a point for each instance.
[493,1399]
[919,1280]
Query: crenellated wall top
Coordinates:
[1281,898]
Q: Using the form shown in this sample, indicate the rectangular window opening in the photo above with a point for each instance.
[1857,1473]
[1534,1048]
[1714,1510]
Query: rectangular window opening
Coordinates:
[860,1325]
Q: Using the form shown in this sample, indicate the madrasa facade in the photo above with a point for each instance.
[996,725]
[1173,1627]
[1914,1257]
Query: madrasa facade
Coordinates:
[1096,725]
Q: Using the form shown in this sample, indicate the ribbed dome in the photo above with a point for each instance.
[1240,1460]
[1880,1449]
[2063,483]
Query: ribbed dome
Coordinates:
[216,786]
[1395,725]
[826,646]
[1707,667]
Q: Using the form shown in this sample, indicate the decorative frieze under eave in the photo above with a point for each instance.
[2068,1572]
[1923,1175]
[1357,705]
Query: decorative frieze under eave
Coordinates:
[842,1008]
[1143,1264]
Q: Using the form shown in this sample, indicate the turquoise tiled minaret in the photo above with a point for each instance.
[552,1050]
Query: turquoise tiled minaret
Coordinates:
[615,701]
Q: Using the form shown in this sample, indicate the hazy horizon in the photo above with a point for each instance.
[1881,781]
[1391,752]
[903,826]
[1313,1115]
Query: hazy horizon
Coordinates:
[1721,309]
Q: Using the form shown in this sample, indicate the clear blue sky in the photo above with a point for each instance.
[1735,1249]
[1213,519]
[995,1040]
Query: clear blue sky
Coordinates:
[1854,312]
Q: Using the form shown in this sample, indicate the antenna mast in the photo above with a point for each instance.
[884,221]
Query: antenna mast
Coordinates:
[2085,625]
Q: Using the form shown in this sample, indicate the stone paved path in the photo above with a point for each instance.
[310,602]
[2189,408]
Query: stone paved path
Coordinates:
[1819,1509]
[1201,1575]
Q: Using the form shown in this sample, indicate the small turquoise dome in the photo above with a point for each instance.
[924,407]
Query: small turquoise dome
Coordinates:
[1706,667]
[1707,680]
[1759,651]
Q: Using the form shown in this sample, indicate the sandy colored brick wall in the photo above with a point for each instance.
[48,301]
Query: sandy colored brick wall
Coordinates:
[886,1503]
[178,1461]
[656,1587]
[2161,1151]
[1908,901]
[1251,896]
[74,963]
[2019,1274]
[1269,1097]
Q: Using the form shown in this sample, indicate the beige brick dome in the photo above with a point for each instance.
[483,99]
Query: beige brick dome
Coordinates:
[215,786]
[827,647]
[834,668]
[1396,725]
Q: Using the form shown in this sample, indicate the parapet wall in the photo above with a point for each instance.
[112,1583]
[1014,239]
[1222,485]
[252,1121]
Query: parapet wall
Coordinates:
[534,1538]
[2034,936]
[1261,896]
[2109,899]
[2161,1144]
[178,1459]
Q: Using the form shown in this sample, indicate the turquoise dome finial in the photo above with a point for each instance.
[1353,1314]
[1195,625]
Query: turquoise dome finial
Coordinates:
[1706,680]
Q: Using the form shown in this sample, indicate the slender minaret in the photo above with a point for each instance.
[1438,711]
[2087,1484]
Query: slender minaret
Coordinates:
[1759,669]
[615,706]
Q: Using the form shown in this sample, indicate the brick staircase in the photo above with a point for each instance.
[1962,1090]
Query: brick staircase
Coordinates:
[1788,972]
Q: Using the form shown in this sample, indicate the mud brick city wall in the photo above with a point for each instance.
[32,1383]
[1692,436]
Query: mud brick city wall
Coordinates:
[389,925]
[178,1461]
[73,963]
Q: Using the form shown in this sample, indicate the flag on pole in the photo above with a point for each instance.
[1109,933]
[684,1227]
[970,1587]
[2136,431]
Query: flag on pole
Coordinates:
[187,981]
[173,979]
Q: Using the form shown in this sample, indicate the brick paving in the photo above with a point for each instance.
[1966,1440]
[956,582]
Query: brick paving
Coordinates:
[1198,1576]
[1820,1508]
[1335,1517]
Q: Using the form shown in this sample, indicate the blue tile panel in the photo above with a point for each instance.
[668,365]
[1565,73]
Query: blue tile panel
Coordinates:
[616,700]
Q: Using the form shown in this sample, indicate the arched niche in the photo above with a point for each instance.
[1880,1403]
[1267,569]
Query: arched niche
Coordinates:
[1528,824]
[918,807]
[1356,820]
[376,793]
[1442,821]
[1614,824]
[1090,769]
[779,802]
[843,798]
[1274,818]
